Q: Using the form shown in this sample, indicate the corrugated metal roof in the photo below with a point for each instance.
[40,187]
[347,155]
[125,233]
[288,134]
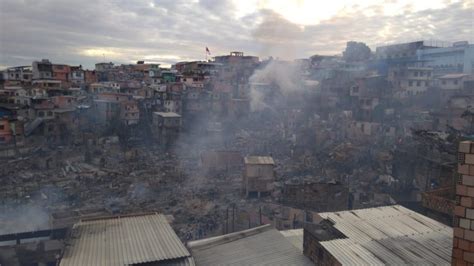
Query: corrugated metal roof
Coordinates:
[124,241]
[262,245]
[295,236]
[259,160]
[391,235]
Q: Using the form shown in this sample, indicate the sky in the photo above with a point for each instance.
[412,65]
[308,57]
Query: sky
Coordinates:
[168,31]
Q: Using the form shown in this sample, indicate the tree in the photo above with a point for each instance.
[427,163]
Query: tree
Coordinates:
[356,51]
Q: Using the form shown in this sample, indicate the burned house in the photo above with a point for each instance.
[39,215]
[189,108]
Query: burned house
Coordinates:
[166,128]
[112,107]
[316,196]
[258,176]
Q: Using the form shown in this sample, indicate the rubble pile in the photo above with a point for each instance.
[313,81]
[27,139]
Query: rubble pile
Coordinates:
[229,143]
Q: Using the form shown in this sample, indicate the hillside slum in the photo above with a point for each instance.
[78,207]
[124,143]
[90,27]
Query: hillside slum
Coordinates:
[233,142]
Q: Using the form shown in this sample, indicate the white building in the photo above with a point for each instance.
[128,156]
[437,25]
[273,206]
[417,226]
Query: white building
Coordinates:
[42,69]
[452,81]
[458,58]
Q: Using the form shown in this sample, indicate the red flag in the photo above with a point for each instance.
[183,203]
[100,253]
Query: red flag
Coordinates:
[207,51]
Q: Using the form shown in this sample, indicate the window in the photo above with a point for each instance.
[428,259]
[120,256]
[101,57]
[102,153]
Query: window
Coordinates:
[418,83]
[422,73]
[41,114]
[456,82]
[410,83]
[2,127]
[415,73]
[444,82]
[50,113]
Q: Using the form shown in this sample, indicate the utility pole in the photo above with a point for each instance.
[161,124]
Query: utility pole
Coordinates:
[227,220]
[233,216]
[248,217]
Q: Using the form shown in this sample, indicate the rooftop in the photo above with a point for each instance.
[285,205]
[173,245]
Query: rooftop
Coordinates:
[453,76]
[259,160]
[167,114]
[388,235]
[262,245]
[124,240]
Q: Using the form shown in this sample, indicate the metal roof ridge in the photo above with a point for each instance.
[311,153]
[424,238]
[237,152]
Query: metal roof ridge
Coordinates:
[118,216]
[218,240]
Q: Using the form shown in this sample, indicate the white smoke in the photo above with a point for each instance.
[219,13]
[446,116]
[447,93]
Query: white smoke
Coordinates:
[281,77]
[23,218]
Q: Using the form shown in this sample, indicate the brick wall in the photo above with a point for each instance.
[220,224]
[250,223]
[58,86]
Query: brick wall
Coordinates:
[463,240]
[440,200]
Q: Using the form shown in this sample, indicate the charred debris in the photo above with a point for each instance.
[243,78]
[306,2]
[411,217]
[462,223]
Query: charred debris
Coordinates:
[233,142]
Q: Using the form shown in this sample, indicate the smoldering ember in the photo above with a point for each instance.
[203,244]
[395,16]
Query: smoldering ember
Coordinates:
[360,158]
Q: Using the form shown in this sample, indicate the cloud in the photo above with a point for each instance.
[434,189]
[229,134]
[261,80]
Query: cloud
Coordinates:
[83,32]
